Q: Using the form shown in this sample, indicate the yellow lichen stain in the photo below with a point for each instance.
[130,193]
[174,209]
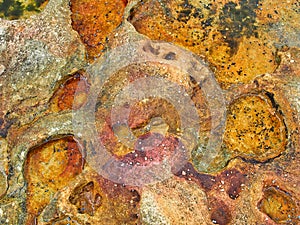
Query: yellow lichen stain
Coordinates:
[254,129]
[253,58]
[225,33]
[278,205]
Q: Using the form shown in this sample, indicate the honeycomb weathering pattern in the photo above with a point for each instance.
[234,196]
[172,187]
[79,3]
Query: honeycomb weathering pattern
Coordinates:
[142,89]
[151,112]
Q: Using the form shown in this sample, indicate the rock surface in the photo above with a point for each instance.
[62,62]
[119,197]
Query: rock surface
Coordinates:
[149,112]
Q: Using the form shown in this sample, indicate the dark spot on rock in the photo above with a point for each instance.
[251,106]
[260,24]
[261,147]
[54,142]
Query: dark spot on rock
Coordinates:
[135,196]
[85,199]
[271,97]
[148,48]
[207,22]
[184,15]
[4,127]
[189,173]
[14,9]
[170,56]
[238,20]
[11,9]
[219,212]
[235,179]
[134,216]
[187,11]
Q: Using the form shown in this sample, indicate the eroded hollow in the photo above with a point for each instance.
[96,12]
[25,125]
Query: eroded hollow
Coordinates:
[255,129]
[48,168]
[150,116]
[278,205]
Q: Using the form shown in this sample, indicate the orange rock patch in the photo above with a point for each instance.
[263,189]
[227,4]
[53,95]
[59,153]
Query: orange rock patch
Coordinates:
[225,33]
[94,20]
[72,94]
[254,129]
[48,168]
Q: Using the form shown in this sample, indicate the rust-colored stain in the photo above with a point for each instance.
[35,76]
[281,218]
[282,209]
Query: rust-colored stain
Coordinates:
[94,21]
[220,213]
[106,202]
[241,169]
[226,33]
[72,94]
[233,181]
[278,205]
[49,168]
[205,181]
[255,129]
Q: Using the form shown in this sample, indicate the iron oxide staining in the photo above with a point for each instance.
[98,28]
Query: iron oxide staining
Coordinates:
[278,205]
[84,198]
[94,21]
[220,213]
[205,181]
[92,199]
[255,130]
[49,168]
[19,9]
[225,34]
[72,94]
[151,148]
[233,181]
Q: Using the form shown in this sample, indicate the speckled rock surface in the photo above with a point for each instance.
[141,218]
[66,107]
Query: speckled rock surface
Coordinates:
[149,112]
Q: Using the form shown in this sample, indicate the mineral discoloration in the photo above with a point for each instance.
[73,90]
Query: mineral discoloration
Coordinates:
[220,213]
[49,168]
[225,33]
[76,87]
[278,205]
[52,53]
[255,129]
[94,21]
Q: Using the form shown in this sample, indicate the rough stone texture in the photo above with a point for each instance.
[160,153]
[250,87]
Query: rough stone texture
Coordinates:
[50,61]
[174,202]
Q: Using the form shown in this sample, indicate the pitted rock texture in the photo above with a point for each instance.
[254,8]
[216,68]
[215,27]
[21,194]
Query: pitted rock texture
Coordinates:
[246,53]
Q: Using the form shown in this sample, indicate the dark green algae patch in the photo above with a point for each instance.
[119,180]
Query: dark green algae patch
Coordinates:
[238,20]
[19,9]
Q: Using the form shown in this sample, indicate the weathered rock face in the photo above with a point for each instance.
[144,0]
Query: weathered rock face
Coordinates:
[149,112]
